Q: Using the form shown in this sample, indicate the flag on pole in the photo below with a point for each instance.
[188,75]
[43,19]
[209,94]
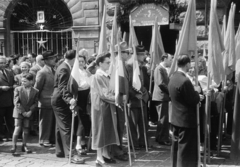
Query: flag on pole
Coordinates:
[132,36]
[121,82]
[188,37]
[229,58]
[215,46]
[237,40]
[156,49]
[75,77]
[124,39]
[136,82]
[103,41]
[223,33]
[114,40]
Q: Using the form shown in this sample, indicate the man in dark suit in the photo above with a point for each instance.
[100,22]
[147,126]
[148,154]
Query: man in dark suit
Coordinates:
[61,100]
[135,97]
[161,99]
[6,98]
[183,117]
[44,83]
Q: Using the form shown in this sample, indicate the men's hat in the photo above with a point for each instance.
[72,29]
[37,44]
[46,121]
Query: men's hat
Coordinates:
[123,47]
[48,54]
[14,57]
[140,49]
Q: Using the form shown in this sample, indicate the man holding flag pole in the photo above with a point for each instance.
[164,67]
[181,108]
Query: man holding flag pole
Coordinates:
[61,101]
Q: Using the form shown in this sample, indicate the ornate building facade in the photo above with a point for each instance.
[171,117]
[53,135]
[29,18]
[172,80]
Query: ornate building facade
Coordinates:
[37,25]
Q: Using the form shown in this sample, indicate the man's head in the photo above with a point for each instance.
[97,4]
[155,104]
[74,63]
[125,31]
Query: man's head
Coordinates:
[141,54]
[184,62]
[49,58]
[125,51]
[3,62]
[167,60]
[32,57]
[103,61]
[70,56]
[39,60]
[27,79]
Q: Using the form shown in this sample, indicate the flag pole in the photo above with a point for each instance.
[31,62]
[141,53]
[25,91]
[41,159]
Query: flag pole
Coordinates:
[198,119]
[72,108]
[72,129]
[127,127]
[144,127]
[206,122]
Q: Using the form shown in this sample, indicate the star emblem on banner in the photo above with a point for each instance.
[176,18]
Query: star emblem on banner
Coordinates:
[41,43]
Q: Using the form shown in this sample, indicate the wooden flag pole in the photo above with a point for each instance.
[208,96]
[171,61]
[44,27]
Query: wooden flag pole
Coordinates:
[71,140]
[206,122]
[144,127]
[127,127]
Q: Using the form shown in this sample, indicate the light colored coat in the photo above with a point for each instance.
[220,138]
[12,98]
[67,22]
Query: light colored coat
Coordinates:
[45,84]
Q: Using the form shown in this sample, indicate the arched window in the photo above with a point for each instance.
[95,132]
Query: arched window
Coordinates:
[39,25]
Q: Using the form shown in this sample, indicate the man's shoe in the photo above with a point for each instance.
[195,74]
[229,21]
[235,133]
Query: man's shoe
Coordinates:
[59,155]
[135,148]
[122,157]
[109,161]
[166,143]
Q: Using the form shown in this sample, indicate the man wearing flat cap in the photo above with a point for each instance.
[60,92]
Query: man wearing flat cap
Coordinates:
[135,97]
[44,83]
[61,101]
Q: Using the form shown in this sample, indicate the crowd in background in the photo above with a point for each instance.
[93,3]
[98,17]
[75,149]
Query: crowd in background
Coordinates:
[43,75]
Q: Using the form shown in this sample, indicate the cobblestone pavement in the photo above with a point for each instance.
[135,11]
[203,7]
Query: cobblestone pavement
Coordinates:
[158,156]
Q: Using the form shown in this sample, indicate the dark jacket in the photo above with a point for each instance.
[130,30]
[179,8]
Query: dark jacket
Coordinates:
[184,101]
[133,100]
[61,96]
[6,97]
[23,103]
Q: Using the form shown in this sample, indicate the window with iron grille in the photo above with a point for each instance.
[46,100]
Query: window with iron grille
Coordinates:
[52,33]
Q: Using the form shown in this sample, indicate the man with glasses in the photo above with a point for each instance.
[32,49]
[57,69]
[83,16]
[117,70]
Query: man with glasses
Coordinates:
[6,98]
[135,97]
[44,83]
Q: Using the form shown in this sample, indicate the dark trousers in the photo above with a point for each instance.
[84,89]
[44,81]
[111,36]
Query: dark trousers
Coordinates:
[136,125]
[63,130]
[47,125]
[84,122]
[184,152]
[162,133]
[6,114]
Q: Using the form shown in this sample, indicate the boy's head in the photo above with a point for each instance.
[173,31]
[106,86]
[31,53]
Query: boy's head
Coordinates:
[27,79]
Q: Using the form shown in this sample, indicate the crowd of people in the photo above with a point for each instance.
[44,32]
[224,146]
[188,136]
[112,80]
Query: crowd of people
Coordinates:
[35,89]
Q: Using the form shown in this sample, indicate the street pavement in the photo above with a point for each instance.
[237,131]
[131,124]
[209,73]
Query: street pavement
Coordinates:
[157,156]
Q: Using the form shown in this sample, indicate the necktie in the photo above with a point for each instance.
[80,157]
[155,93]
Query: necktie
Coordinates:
[53,71]
[3,72]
